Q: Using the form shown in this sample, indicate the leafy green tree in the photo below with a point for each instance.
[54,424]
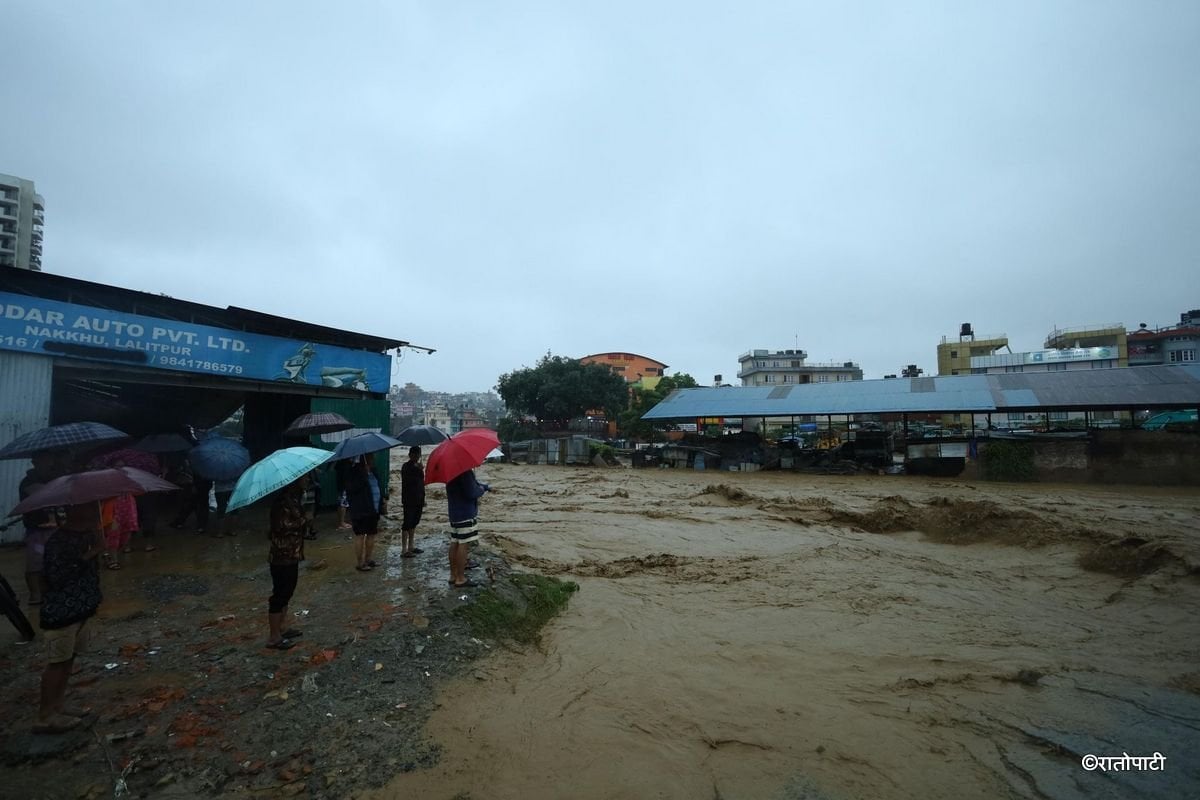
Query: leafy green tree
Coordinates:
[559,389]
[631,423]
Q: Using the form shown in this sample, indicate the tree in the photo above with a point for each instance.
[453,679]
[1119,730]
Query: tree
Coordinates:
[631,423]
[558,389]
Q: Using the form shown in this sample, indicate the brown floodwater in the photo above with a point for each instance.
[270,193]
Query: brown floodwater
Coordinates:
[770,635]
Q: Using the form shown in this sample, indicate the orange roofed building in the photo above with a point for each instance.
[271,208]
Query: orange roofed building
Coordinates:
[630,366]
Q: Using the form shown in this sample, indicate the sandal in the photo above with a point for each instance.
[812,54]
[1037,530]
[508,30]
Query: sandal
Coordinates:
[113,564]
[363,568]
[150,548]
[282,644]
[292,633]
[372,564]
[409,554]
[416,550]
[466,585]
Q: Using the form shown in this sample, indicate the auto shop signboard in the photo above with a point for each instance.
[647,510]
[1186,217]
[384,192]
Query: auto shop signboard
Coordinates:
[48,327]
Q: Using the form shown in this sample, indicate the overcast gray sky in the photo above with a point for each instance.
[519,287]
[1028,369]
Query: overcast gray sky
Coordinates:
[683,180]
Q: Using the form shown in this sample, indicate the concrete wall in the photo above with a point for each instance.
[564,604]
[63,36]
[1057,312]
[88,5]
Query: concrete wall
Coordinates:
[1148,457]
[1118,456]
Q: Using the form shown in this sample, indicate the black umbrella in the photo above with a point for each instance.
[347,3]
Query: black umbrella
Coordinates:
[362,444]
[59,437]
[421,434]
[163,443]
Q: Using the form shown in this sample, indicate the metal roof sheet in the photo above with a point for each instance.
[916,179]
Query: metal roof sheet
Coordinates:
[1175,386]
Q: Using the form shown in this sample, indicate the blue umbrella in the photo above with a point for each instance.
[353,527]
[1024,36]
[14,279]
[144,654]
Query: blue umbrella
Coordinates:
[275,472]
[219,459]
[362,444]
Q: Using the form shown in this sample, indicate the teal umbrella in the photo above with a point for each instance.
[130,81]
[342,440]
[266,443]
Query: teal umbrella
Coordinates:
[275,472]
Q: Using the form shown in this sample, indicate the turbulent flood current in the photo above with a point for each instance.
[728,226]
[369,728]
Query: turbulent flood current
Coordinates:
[783,636]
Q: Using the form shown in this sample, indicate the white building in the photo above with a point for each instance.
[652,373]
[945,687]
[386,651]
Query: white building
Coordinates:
[1061,360]
[788,367]
[21,218]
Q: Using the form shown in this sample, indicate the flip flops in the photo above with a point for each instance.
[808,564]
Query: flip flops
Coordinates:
[282,644]
[292,633]
[466,585]
[363,568]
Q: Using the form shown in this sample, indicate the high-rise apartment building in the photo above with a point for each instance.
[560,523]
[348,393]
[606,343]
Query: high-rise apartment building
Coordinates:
[21,219]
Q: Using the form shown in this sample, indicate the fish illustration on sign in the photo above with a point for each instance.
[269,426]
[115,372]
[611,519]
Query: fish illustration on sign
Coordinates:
[294,367]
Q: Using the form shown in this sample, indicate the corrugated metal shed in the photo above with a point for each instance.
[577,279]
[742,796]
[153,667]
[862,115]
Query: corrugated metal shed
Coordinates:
[26,380]
[1114,389]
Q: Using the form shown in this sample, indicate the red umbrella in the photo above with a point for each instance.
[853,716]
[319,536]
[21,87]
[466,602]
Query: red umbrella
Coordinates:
[459,453]
[87,487]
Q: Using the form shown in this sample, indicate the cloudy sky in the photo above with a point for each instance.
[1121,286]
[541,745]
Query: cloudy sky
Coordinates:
[684,180]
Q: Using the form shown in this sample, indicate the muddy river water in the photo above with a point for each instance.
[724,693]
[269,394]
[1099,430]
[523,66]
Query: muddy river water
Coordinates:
[769,635]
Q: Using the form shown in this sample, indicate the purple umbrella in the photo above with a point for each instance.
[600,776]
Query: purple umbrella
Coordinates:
[88,487]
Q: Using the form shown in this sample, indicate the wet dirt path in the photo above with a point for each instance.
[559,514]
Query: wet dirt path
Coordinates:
[780,636]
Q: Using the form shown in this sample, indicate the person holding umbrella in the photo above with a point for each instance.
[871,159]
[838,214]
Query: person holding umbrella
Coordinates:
[462,499]
[368,503]
[281,475]
[38,524]
[288,523]
[412,500]
[72,579]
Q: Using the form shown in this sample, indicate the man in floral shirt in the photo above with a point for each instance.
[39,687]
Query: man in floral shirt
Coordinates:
[288,524]
[72,596]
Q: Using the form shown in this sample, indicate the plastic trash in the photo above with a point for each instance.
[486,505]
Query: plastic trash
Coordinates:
[310,683]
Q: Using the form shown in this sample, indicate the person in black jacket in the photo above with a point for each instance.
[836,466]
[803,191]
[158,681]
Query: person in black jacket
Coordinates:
[367,503]
[412,499]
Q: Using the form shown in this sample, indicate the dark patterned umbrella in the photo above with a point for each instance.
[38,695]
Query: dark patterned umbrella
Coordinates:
[60,437]
[313,424]
[87,487]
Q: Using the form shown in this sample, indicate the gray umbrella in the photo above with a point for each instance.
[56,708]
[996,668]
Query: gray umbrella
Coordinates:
[421,434]
[60,437]
[362,444]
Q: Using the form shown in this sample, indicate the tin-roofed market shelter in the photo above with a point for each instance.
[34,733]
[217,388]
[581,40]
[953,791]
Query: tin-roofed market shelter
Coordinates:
[73,350]
[1127,389]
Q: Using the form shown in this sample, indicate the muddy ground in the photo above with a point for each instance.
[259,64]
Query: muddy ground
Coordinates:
[759,635]
[187,702]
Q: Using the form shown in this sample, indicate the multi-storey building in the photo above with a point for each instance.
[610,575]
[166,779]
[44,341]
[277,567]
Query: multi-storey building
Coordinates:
[954,355]
[1109,335]
[21,219]
[787,367]
[630,366]
[1171,344]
